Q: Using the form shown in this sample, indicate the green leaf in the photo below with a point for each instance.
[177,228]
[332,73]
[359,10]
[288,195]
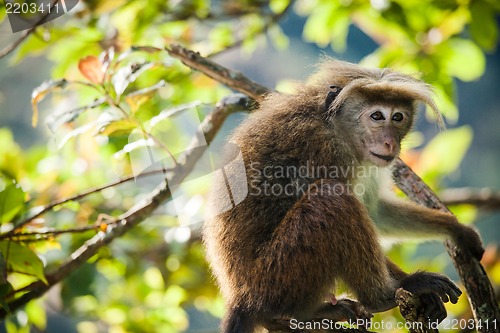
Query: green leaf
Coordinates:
[33,45]
[170,112]
[5,286]
[467,61]
[10,326]
[278,6]
[483,26]
[138,97]
[119,127]
[329,23]
[11,200]
[445,104]
[221,35]
[78,131]
[466,214]
[36,314]
[445,152]
[128,74]
[40,92]
[317,25]
[340,29]
[55,121]
[5,289]
[278,38]
[22,260]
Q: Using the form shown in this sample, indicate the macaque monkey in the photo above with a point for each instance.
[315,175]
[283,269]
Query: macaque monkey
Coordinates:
[314,211]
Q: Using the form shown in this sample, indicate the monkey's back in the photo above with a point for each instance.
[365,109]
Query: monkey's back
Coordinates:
[274,144]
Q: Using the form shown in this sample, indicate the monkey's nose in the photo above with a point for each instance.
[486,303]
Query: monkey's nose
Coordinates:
[390,144]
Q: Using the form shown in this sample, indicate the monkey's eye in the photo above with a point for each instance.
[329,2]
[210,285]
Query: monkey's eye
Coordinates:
[377,115]
[398,116]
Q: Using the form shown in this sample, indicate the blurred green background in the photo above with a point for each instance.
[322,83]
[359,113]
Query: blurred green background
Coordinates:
[154,279]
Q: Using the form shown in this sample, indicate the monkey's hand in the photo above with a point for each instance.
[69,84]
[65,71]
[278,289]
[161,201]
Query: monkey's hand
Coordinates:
[468,239]
[420,283]
[432,289]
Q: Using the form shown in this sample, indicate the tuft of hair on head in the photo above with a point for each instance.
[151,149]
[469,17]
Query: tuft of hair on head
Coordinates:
[382,82]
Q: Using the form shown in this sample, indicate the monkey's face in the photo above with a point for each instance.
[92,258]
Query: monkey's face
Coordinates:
[384,125]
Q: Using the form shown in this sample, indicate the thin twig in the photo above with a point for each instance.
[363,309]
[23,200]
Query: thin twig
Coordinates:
[38,211]
[271,21]
[52,232]
[43,235]
[9,48]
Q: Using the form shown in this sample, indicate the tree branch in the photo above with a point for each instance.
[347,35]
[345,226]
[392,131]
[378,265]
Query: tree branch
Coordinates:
[479,289]
[409,306]
[210,126]
[484,198]
[11,47]
[230,78]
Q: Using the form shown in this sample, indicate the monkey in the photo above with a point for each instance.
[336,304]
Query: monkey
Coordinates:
[317,204]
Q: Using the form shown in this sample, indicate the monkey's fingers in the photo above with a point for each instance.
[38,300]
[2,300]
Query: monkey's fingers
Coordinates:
[447,290]
[424,282]
[344,310]
[361,314]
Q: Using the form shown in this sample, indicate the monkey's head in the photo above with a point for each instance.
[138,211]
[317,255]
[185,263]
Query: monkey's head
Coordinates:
[374,107]
[379,125]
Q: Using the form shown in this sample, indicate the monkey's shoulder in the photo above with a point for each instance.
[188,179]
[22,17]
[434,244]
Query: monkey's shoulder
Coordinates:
[283,122]
[291,133]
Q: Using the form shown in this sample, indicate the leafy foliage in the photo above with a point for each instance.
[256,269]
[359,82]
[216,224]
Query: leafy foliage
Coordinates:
[113,83]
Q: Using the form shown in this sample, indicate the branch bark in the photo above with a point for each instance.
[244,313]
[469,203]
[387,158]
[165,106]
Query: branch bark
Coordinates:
[232,79]
[409,306]
[479,289]
[25,34]
[476,282]
[11,47]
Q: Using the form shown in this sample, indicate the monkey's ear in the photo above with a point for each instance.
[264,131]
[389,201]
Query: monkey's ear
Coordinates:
[332,94]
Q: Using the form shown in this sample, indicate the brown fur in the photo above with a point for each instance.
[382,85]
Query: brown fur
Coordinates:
[278,255]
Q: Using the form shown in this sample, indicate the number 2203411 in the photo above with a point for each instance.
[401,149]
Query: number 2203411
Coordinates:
[33,8]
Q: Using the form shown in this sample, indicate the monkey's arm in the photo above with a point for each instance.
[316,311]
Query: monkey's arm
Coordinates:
[406,219]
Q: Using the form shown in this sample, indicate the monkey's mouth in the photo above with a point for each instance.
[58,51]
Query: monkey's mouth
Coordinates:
[387,158]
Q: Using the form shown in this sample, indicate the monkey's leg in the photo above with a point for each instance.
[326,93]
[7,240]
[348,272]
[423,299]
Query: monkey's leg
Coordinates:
[326,235]
[237,321]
